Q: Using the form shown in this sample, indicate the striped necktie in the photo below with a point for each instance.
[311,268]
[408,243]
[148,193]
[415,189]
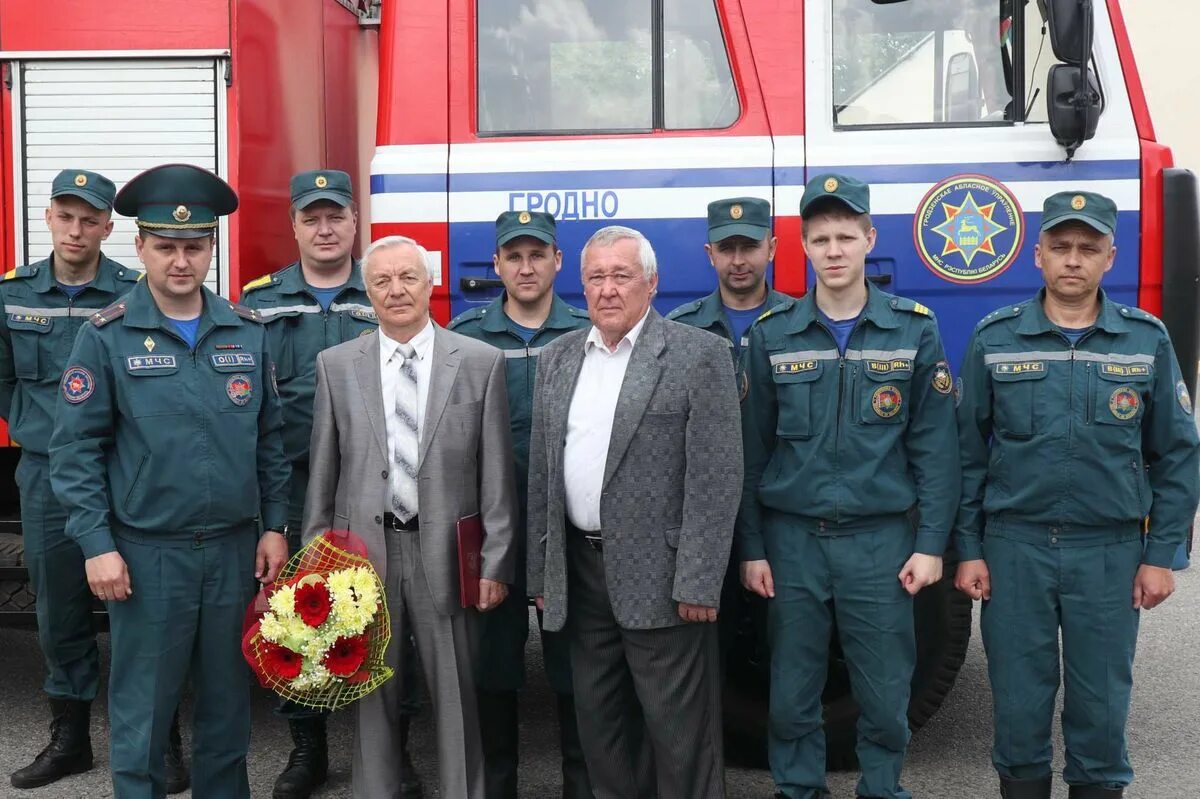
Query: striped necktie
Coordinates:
[405,438]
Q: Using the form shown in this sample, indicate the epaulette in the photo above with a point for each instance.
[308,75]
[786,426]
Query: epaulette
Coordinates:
[686,308]
[1133,312]
[580,312]
[20,271]
[111,313]
[258,283]
[912,306]
[466,316]
[778,307]
[1003,312]
[246,313]
[129,275]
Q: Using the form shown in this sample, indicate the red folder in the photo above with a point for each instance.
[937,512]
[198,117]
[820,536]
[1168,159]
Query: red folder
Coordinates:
[470,545]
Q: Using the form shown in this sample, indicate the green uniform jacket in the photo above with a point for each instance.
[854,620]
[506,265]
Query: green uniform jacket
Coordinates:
[849,438]
[297,329]
[38,323]
[1095,436]
[490,325]
[155,437]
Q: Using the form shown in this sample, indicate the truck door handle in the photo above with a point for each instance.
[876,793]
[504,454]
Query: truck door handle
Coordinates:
[480,283]
[880,280]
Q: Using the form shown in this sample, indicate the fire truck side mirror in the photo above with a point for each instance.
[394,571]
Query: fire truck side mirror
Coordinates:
[1070,23]
[1073,108]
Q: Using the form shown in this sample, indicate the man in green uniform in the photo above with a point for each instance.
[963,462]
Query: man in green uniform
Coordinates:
[167,455]
[44,304]
[1076,427]
[523,319]
[848,428]
[740,247]
[308,306]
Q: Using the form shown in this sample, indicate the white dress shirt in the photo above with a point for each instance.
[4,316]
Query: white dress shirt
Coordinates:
[590,422]
[389,374]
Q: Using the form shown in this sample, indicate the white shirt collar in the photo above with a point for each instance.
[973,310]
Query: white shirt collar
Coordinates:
[596,339]
[422,343]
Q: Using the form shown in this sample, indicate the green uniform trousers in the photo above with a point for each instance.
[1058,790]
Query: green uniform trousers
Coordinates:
[183,620]
[826,575]
[64,602]
[1044,582]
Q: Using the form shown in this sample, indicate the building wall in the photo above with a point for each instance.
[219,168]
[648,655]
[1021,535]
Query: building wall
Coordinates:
[1163,36]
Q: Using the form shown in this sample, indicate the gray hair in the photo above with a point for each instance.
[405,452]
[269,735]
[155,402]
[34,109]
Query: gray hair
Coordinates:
[608,236]
[387,242]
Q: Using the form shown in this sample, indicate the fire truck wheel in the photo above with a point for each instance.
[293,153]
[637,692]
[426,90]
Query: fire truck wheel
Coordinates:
[15,595]
[943,625]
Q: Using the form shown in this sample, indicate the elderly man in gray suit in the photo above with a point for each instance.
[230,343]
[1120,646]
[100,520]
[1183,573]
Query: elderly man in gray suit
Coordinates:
[410,434]
[635,462]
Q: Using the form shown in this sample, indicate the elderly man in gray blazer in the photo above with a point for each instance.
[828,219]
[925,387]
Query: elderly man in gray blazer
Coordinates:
[635,463]
[411,434]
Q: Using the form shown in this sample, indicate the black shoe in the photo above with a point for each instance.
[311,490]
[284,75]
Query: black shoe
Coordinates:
[308,765]
[1025,789]
[178,777]
[69,750]
[1095,792]
[410,780]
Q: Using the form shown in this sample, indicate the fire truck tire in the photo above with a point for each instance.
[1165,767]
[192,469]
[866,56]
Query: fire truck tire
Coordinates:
[943,624]
[15,595]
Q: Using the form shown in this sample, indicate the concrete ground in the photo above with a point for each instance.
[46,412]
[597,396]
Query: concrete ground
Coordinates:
[949,759]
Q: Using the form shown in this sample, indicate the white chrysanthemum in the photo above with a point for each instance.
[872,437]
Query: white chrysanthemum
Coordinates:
[283,602]
[272,629]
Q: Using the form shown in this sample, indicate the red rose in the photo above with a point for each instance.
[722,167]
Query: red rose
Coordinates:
[313,603]
[281,662]
[346,656]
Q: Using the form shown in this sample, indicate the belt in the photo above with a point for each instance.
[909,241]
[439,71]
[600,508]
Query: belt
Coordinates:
[392,522]
[592,538]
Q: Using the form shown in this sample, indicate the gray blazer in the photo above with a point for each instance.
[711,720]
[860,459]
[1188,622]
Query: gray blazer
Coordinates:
[465,461]
[671,480]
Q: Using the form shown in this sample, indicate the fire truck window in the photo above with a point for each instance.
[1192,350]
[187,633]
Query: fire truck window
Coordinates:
[559,66]
[933,63]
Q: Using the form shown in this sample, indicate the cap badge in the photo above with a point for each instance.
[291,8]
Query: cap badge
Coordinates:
[181,213]
[831,185]
[524,218]
[321,181]
[81,180]
[1078,202]
[735,211]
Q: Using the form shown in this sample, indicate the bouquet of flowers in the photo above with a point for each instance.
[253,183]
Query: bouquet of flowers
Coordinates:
[316,636]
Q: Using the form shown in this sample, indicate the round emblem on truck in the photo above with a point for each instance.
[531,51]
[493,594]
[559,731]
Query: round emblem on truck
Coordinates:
[968,229]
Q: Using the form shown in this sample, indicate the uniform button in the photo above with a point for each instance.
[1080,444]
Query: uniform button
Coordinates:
[1053,539]
[1055,530]
[379,520]
[385,474]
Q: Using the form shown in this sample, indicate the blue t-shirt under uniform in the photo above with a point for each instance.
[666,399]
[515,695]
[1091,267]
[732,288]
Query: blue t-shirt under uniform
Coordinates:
[325,297]
[840,328]
[740,321]
[526,333]
[71,291]
[187,328]
[1073,334]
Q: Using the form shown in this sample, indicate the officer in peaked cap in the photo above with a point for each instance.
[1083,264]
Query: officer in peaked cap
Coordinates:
[848,426]
[1084,393]
[526,316]
[167,455]
[43,305]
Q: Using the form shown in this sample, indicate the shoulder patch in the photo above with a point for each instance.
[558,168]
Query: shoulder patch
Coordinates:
[109,314]
[258,283]
[246,313]
[686,308]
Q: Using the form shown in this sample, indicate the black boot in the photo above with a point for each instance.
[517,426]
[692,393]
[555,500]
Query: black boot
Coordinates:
[69,750]
[308,764]
[1095,792]
[1025,789]
[410,780]
[576,784]
[179,778]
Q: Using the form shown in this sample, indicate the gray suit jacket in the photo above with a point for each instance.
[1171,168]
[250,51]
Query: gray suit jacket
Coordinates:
[465,460]
[671,478]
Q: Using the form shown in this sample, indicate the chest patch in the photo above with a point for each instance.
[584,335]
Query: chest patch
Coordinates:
[226,359]
[894,365]
[29,319]
[794,367]
[1125,370]
[142,363]
[239,389]
[1020,367]
[1124,403]
[886,401]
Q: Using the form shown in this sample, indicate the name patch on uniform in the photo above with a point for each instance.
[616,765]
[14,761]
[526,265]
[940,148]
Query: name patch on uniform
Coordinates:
[1020,367]
[363,313]
[1125,370]
[29,319]
[244,359]
[239,389]
[794,367]
[141,363]
[894,365]
[77,384]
